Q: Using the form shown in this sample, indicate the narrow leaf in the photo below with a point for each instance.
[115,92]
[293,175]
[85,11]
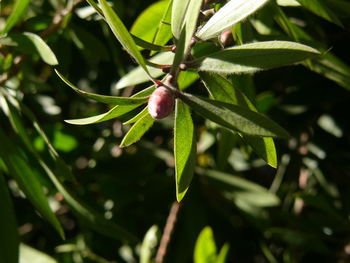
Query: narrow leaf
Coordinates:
[147,45]
[184,149]
[221,89]
[18,11]
[205,247]
[137,117]
[231,13]
[137,130]
[102,98]
[31,43]
[137,75]
[9,239]
[320,8]
[122,34]
[234,117]
[254,57]
[184,21]
[115,112]
[163,33]
[27,180]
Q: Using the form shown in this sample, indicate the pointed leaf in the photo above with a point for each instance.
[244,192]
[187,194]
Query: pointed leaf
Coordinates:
[223,253]
[221,89]
[234,117]
[184,149]
[230,14]
[137,75]
[18,11]
[253,57]
[147,45]
[103,98]
[31,43]
[9,239]
[122,34]
[183,24]
[163,33]
[137,130]
[115,112]
[140,115]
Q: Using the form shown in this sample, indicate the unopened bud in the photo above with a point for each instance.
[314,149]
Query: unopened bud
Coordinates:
[161,103]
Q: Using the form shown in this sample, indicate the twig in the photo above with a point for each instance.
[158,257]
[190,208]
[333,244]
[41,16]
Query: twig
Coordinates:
[55,26]
[167,234]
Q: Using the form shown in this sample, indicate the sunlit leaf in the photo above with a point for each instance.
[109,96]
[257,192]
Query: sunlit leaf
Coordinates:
[253,57]
[138,76]
[122,34]
[102,98]
[231,13]
[184,149]
[234,117]
[115,112]
[29,254]
[205,247]
[137,130]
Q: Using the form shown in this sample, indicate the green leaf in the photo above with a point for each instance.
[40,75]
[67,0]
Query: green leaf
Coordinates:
[163,33]
[137,130]
[122,34]
[320,8]
[138,116]
[18,11]
[27,180]
[184,149]
[234,117]
[222,90]
[30,254]
[9,239]
[241,190]
[223,253]
[31,43]
[183,24]
[115,112]
[205,248]
[147,45]
[253,57]
[231,13]
[137,75]
[150,18]
[102,98]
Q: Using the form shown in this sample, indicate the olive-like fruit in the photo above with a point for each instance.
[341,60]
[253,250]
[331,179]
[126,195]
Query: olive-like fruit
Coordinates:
[161,103]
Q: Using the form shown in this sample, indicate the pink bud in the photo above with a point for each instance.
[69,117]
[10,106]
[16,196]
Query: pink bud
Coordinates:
[161,103]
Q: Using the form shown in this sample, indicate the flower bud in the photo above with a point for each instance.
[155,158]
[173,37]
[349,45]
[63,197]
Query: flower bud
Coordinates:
[161,103]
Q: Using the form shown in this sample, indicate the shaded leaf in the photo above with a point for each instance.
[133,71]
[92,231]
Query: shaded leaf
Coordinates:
[221,89]
[31,43]
[18,11]
[9,239]
[27,180]
[231,13]
[122,34]
[138,116]
[115,112]
[102,98]
[223,253]
[184,149]
[234,117]
[137,130]
[320,8]
[253,57]
[163,33]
